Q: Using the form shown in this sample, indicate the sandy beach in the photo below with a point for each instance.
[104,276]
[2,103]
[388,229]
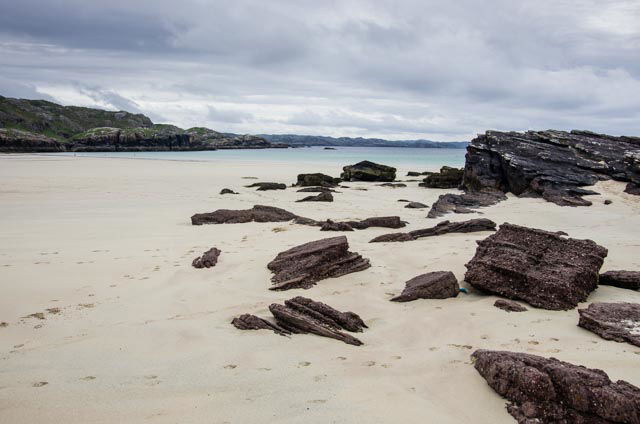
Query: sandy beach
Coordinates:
[133,333]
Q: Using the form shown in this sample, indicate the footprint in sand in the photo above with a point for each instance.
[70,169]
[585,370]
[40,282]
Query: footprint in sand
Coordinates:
[317,401]
[303,364]
[230,366]
[264,369]
[369,363]
[88,378]
[460,346]
[344,358]
[54,311]
[4,324]
[397,357]
[386,365]
[319,378]
[533,342]
[40,384]
[433,349]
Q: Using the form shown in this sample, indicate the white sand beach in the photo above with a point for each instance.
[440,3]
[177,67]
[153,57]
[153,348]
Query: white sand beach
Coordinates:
[133,333]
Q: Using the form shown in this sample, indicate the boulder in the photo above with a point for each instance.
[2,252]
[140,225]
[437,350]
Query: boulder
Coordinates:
[432,285]
[307,180]
[393,185]
[448,177]
[415,205]
[330,225]
[622,279]
[322,197]
[542,390]
[227,191]
[417,174]
[509,305]
[464,203]
[380,221]
[252,322]
[613,321]
[473,225]
[316,190]
[268,186]
[208,259]
[368,171]
[540,267]
[608,202]
[258,213]
[302,266]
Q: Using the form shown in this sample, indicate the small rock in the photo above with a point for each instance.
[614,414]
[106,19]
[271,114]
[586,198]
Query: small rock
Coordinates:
[613,321]
[322,197]
[608,202]
[227,191]
[368,171]
[208,259]
[622,279]
[432,285]
[509,305]
[268,186]
[416,205]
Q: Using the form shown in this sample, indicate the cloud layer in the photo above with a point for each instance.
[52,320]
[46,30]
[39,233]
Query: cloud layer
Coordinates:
[410,69]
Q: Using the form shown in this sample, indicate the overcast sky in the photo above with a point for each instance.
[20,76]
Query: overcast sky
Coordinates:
[441,70]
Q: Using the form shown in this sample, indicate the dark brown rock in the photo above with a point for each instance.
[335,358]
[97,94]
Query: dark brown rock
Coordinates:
[623,279]
[415,205]
[380,221]
[368,171]
[258,213]
[393,185]
[464,203]
[448,177]
[339,320]
[268,186]
[302,266]
[550,391]
[417,174]
[307,180]
[403,200]
[509,305]
[208,259]
[330,225]
[432,285]
[322,197]
[613,321]
[316,190]
[252,322]
[540,267]
[227,191]
[472,225]
[608,202]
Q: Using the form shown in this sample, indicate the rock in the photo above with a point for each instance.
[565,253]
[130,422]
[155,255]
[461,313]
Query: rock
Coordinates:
[302,266]
[17,141]
[329,225]
[473,225]
[540,267]
[227,191]
[432,285]
[322,197]
[307,180]
[415,205]
[252,322]
[417,174]
[509,305]
[268,186]
[633,188]
[608,202]
[613,321]
[368,171]
[329,148]
[403,200]
[258,213]
[339,320]
[464,203]
[448,177]
[545,390]
[316,190]
[208,259]
[381,221]
[622,279]
[393,185]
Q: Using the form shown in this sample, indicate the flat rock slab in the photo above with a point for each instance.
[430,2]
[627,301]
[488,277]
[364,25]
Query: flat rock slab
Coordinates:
[416,205]
[368,171]
[543,268]
[317,179]
[613,321]
[470,226]
[393,185]
[258,213]
[316,190]
[252,322]
[379,221]
[302,266]
[542,390]
[322,197]
[268,186]
[465,203]
[432,285]
[509,305]
[227,191]
[208,259]
[448,177]
[622,279]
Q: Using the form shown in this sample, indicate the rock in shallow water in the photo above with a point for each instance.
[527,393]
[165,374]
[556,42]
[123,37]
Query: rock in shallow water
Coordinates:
[509,305]
[545,390]
[302,266]
[432,285]
[208,259]
[540,267]
[444,227]
[613,321]
[622,279]
[368,171]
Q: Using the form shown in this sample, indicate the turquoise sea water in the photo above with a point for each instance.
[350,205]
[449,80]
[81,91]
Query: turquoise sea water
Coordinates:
[394,156]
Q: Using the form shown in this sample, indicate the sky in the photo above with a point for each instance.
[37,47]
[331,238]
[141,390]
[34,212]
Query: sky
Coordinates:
[423,69]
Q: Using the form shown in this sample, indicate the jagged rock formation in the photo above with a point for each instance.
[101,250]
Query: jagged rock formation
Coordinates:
[613,321]
[542,390]
[258,213]
[415,205]
[267,186]
[464,203]
[448,177]
[473,225]
[540,267]
[509,305]
[368,171]
[318,179]
[322,197]
[380,221]
[302,315]
[17,141]
[622,279]
[432,285]
[208,259]
[302,266]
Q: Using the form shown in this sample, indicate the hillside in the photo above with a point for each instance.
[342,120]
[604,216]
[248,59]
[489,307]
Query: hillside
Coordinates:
[314,140]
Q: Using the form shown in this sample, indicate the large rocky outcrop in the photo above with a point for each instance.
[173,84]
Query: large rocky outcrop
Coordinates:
[318,179]
[613,321]
[542,390]
[448,177]
[622,279]
[473,225]
[542,268]
[17,141]
[432,285]
[368,171]
[302,315]
[258,213]
[302,266]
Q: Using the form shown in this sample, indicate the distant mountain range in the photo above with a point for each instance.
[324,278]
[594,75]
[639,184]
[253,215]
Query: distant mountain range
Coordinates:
[316,140]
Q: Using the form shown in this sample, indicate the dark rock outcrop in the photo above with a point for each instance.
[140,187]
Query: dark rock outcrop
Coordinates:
[368,171]
[417,174]
[322,197]
[432,285]
[17,141]
[380,221]
[448,177]
[509,305]
[267,186]
[252,322]
[540,267]
[316,190]
[258,213]
[622,279]
[302,266]
[415,205]
[307,180]
[613,321]
[208,259]
[542,390]
[227,191]
[393,185]
[330,225]
[473,225]
[608,202]
[464,203]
